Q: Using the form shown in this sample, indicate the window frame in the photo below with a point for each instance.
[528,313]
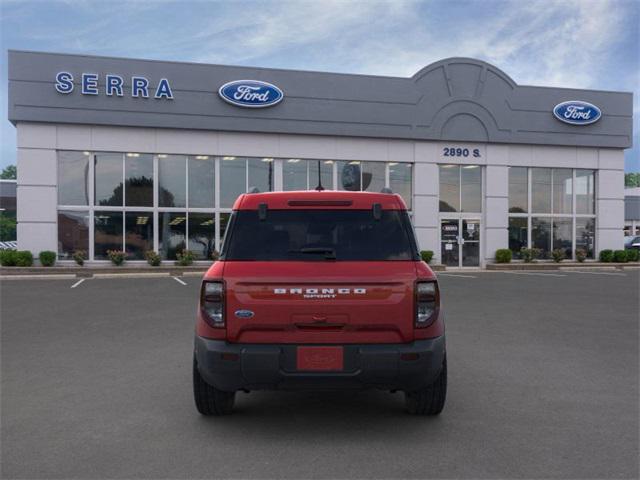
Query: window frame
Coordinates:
[573,215]
[216,210]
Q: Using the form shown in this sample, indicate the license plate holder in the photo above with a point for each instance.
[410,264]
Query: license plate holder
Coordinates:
[320,359]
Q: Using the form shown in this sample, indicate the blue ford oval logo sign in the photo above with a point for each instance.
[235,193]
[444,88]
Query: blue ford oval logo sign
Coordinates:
[577,112]
[244,313]
[251,93]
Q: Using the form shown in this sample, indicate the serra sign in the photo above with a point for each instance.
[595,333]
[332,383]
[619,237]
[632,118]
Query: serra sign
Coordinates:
[250,93]
[113,85]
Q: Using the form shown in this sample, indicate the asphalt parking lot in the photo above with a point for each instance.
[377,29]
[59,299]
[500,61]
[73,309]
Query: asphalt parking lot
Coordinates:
[543,383]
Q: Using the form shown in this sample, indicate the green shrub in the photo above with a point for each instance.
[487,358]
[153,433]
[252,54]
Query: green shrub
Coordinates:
[24,258]
[558,255]
[79,256]
[620,256]
[153,258]
[47,258]
[526,254]
[184,258]
[633,255]
[8,258]
[503,255]
[426,255]
[606,256]
[581,254]
[117,257]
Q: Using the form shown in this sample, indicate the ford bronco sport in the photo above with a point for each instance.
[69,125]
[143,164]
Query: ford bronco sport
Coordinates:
[319,290]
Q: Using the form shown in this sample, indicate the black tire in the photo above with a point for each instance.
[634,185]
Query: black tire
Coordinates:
[429,401]
[210,400]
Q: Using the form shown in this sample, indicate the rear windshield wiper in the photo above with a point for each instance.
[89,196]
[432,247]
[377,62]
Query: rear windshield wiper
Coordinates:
[329,253]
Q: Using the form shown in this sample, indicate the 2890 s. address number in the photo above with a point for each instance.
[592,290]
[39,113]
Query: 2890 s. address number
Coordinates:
[460,152]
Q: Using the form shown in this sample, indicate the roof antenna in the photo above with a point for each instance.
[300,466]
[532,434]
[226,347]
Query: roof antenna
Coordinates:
[319,188]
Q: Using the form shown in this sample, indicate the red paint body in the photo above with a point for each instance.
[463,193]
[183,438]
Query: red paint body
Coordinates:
[366,302]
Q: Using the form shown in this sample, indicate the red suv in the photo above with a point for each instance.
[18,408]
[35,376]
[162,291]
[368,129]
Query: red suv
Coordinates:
[319,290]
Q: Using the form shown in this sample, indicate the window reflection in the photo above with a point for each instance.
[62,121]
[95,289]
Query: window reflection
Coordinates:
[400,180]
[562,235]
[73,233]
[326,173]
[138,171]
[261,174]
[471,190]
[294,174]
[201,182]
[541,235]
[373,176]
[517,235]
[202,235]
[73,178]
[138,234]
[541,190]
[349,176]
[172,229]
[562,190]
[233,180]
[107,233]
[585,235]
[108,179]
[449,188]
[172,188]
[518,190]
[585,192]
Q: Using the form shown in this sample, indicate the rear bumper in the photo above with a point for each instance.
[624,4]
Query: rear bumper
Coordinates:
[231,367]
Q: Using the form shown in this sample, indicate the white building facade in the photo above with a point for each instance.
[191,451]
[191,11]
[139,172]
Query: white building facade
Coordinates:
[481,162]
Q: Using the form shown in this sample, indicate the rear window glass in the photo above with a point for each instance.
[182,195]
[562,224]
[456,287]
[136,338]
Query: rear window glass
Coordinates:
[319,235]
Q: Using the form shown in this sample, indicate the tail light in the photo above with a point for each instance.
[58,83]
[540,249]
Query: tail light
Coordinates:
[212,303]
[427,303]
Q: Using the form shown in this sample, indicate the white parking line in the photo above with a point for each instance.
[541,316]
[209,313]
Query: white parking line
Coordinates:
[455,275]
[536,273]
[178,280]
[598,273]
[78,283]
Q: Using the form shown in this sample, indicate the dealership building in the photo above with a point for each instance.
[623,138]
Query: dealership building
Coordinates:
[138,155]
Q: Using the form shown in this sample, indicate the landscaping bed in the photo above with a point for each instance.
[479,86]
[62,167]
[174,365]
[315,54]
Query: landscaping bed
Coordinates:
[90,270]
[560,265]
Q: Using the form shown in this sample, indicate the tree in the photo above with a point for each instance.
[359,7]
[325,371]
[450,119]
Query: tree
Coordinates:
[632,179]
[9,173]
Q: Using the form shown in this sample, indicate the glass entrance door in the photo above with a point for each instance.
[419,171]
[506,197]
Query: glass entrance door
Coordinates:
[460,242]
[449,246]
[470,243]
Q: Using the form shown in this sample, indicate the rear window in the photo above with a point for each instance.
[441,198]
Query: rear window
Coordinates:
[347,235]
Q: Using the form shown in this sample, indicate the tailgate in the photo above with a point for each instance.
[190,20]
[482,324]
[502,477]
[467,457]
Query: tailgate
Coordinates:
[320,302]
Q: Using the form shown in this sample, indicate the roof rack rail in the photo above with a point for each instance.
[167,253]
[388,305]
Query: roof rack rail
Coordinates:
[253,190]
[386,190]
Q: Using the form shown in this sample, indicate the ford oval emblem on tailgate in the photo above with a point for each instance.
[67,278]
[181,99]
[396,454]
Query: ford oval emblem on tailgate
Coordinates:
[244,313]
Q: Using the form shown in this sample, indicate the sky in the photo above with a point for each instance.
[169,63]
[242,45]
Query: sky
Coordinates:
[565,43]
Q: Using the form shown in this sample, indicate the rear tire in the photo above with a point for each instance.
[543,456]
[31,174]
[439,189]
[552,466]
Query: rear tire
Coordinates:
[210,400]
[430,400]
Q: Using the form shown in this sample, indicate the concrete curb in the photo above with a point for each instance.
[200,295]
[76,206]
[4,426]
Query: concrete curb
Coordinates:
[561,266]
[7,273]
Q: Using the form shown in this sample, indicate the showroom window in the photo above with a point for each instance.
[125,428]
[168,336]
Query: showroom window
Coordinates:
[73,178]
[460,188]
[357,176]
[551,208]
[138,201]
[300,174]
[239,174]
[73,232]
